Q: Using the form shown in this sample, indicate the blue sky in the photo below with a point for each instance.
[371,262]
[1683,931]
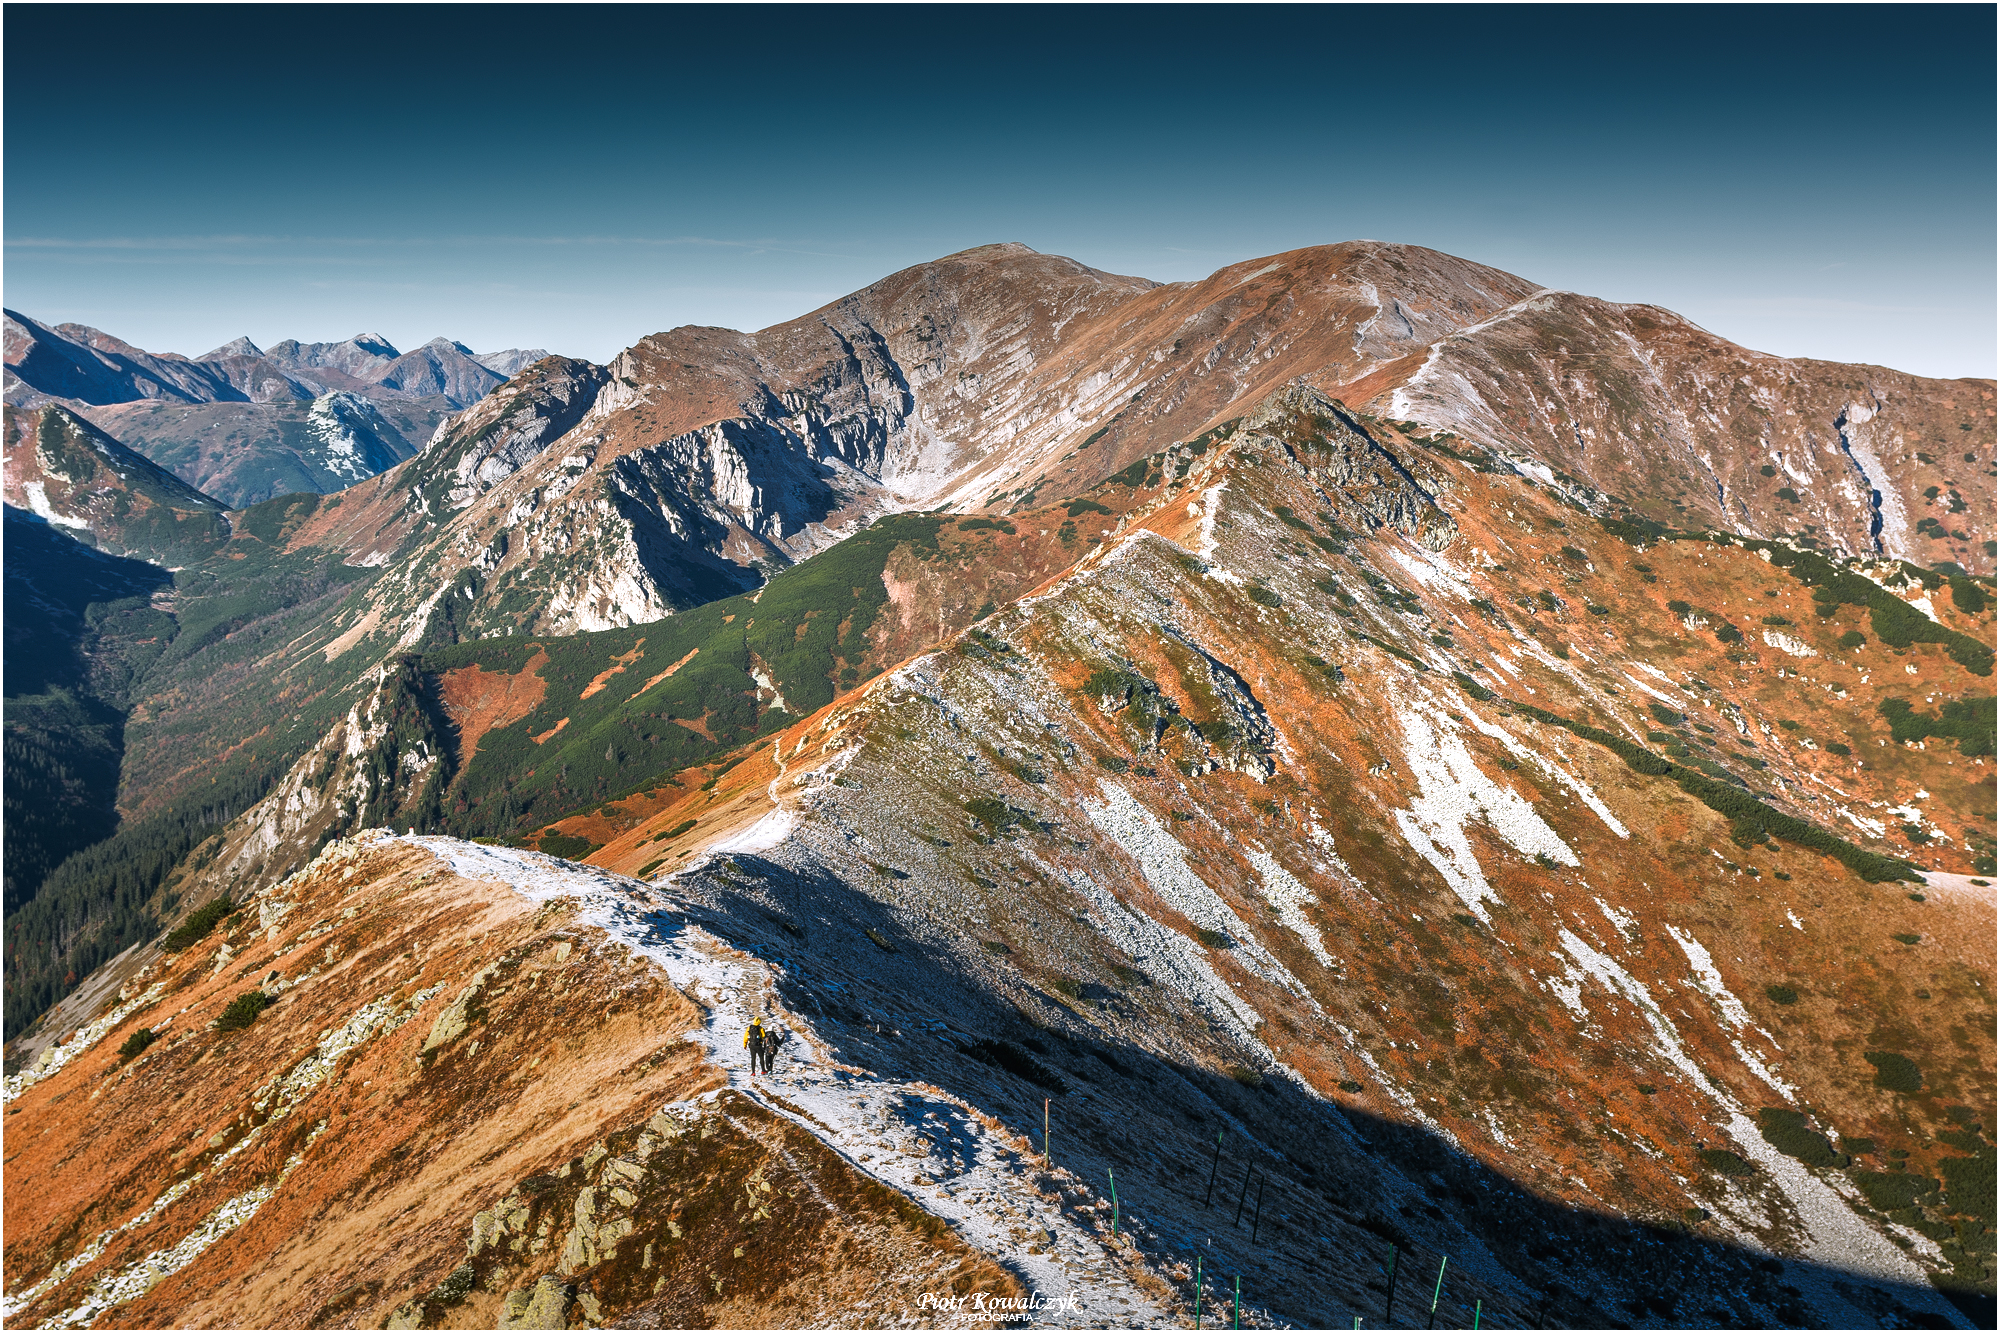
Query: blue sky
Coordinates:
[1807,180]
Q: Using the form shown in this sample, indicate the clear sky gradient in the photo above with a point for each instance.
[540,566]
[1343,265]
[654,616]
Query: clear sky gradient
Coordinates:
[1806,180]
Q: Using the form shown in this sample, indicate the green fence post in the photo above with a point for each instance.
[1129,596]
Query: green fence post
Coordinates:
[1239,1302]
[1476,1307]
[1197,1291]
[1114,1202]
[1437,1291]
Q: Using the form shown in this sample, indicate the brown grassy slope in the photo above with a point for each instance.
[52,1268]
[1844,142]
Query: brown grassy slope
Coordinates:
[569,1043]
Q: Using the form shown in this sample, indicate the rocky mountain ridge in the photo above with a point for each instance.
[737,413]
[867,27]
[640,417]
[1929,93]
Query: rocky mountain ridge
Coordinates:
[247,423]
[79,364]
[1209,733]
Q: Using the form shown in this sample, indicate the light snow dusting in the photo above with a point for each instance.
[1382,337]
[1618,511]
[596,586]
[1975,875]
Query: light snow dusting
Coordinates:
[902,1134]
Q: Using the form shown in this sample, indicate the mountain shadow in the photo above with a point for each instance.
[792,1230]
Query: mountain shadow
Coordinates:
[1327,1212]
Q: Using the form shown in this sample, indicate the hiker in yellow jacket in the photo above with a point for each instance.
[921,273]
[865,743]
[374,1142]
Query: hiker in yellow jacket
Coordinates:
[757,1041]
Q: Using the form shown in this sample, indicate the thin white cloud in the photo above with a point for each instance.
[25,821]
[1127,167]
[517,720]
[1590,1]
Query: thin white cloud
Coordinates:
[215,243]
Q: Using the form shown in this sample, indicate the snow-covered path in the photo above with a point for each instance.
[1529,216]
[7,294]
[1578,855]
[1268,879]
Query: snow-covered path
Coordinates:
[1049,1227]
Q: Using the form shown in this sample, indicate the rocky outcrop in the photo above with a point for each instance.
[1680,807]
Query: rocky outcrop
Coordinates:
[1335,450]
[510,429]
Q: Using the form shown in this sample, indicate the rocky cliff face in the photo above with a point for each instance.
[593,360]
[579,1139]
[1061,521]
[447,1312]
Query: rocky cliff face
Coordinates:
[1304,753]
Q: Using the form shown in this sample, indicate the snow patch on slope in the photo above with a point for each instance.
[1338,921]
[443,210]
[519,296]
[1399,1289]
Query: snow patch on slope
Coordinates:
[1163,862]
[1451,792]
[1284,892]
[1833,1234]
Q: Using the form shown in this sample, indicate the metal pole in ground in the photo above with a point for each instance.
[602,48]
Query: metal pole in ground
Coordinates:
[1476,1310]
[1237,1221]
[1114,1203]
[1258,1215]
[1197,1291]
[1437,1291]
[1239,1302]
[1213,1166]
[1045,1133]
[1389,1306]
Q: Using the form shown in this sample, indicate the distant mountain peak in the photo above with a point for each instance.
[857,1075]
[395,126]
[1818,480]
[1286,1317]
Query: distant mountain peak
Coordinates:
[237,347]
[375,344]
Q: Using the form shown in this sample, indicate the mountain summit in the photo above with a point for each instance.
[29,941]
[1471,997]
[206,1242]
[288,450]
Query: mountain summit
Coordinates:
[1487,787]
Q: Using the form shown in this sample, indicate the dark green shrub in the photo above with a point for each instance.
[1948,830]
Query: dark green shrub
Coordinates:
[980,524]
[1633,530]
[1852,639]
[1726,1163]
[1896,1073]
[1076,508]
[567,846]
[243,1010]
[1971,722]
[1679,607]
[1907,939]
[1969,1181]
[1248,1077]
[199,922]
[1472,687]
[1733,803]
[1788,495]
[1781,995]
[1263,596]
[1214,939]
[1891,1191]
[1665,716]
[137,1043]
[1835,747]
[1108,681]
[992,812]
[1787,1132]
[1291,520]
